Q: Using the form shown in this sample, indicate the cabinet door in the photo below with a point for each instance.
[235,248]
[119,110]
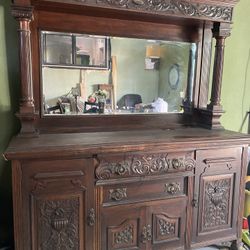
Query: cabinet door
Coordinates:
[59,198]
[216,202]
[168,220]
[121,228]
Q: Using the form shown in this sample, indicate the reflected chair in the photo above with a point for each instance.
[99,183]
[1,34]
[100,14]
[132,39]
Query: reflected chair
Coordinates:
[129,101]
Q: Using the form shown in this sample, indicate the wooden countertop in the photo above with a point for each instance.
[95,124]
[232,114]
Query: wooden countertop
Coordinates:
[88,144]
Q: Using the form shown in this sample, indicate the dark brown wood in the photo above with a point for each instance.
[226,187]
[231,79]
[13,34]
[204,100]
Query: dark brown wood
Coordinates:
[128,189]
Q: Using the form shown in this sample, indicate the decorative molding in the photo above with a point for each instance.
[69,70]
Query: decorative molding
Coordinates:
[142,165]
[146,234]
[125,236]
[118,194]
[40,184]
[173,7]
[173,188]
[22,12]
[216,203]
[58,224]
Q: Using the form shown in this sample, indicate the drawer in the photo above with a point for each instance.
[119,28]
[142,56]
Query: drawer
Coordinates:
[143,164]
[144,191]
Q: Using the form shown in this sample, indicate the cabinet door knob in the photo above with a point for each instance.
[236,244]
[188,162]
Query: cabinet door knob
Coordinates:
[146,234]
[91,217]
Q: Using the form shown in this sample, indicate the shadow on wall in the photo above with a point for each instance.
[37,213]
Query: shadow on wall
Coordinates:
[9,125]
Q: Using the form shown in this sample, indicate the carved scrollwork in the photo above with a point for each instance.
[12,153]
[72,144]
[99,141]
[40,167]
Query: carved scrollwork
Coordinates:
[125,236]
[217,202]
[59,224]
[173,7]
[146,234]
[172,188]
[142,165]
[117,194]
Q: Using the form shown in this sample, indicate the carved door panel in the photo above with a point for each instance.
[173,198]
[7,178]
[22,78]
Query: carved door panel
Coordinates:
[217,196]
[168,220]
[60,199]
[122,228]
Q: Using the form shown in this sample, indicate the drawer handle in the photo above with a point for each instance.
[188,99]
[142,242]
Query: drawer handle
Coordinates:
[118,194]
[91,217]
[173,188]
[146,234]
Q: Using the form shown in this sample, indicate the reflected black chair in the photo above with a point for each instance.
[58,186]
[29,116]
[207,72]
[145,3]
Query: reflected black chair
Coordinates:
[129,101]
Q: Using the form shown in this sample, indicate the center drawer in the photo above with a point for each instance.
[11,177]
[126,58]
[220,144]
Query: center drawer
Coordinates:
[143,191]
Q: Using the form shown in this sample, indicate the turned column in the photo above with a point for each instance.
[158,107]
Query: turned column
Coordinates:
[24,16]
[220,33]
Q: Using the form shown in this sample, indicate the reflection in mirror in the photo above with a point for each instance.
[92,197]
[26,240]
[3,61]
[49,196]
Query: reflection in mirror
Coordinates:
[145,76]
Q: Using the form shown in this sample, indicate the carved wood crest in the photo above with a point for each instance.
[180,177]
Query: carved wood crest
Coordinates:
[173,7]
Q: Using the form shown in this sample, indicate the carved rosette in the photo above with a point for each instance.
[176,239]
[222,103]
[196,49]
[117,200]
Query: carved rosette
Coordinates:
[217,203]
[117,194]
[143,165]
[173,7]
[173,188]
[58,224]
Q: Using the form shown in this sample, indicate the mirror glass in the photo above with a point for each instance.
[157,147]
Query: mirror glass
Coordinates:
[97,75]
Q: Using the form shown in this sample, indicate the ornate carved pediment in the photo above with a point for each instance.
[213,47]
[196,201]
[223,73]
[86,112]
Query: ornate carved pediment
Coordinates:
[171,7]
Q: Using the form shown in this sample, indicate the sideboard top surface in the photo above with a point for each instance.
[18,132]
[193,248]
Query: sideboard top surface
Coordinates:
[78,144]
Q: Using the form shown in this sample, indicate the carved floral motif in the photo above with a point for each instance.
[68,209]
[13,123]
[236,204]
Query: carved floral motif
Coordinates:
[173,188]
[216,206]
[125,236]
[146,234]
[58,224]
[140,165]
[173,7]
[166,227]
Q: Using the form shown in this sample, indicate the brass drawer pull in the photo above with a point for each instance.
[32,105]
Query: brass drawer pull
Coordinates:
[118,194]
[172,188]
[146,234]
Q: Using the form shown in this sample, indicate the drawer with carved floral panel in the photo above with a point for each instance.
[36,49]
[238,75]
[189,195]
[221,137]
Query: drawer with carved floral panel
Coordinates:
[144,190]
[143,165]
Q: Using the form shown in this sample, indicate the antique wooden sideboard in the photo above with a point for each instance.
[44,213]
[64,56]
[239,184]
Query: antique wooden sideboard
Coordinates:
[134,181]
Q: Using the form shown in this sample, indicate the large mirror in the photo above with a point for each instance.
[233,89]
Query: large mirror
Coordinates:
[96,75]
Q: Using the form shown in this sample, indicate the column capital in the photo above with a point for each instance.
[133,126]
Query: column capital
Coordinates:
[221,30]
[22,12]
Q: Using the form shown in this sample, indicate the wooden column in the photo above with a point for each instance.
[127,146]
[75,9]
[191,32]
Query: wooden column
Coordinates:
[220,33]
[24,16]
[209,117]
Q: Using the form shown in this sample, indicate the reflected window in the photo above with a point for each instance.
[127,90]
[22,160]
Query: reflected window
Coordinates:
[74,50]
